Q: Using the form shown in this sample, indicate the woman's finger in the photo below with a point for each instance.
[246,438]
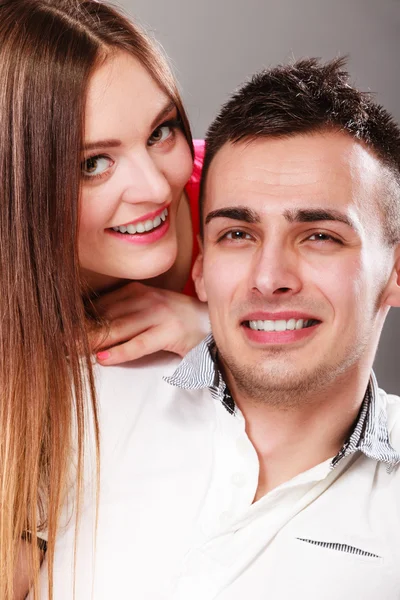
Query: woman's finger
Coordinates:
[131,293]
[149,341]
[136,300]
[176,324]
[123,328]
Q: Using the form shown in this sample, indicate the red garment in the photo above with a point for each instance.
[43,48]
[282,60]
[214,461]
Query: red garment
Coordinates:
[192,190]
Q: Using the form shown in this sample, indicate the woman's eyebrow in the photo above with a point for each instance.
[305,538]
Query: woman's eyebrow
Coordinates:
[102,144]
[163,113]
[114,143]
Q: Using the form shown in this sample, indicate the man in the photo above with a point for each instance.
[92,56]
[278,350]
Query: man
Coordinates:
[282,482]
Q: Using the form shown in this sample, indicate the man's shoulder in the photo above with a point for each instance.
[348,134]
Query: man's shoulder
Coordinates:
[141,372]
[130,388]
[138,409]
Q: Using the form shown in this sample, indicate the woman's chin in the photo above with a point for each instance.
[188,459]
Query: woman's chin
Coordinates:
[148,266]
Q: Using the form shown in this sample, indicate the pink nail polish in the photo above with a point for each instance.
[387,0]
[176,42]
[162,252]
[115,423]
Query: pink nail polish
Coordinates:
[103,355]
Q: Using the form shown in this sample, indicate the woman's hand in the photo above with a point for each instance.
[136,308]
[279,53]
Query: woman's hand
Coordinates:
[143,319]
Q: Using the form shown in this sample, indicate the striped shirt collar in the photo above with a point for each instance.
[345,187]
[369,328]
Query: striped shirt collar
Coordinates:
[370,435]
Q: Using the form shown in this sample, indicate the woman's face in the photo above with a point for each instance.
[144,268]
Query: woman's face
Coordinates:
[135,163]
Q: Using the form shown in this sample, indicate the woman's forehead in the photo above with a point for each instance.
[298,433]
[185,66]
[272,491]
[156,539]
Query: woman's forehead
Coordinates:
[121,93]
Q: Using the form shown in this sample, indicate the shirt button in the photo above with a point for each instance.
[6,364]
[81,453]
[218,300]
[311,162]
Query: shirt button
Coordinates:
[238,479]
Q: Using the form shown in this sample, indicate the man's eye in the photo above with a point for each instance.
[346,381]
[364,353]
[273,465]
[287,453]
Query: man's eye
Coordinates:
[236,235]
[160,134]
[95,166]
[323,237]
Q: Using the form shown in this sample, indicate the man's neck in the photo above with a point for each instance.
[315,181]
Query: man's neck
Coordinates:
[292,440]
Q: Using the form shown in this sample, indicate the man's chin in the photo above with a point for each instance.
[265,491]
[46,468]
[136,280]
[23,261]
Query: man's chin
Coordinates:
[281,382]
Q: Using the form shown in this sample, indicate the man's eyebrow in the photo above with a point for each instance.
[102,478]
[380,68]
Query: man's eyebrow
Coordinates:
[237,213]
[310,215]
[114,143]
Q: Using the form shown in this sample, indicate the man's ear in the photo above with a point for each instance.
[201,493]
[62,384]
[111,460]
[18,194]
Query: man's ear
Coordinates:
[197,273]
[391,296]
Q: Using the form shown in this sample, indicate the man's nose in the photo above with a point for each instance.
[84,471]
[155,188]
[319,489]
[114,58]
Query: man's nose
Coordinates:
[144,182]
[276,271]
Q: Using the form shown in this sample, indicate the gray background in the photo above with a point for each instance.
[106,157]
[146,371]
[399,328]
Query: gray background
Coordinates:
[214,45]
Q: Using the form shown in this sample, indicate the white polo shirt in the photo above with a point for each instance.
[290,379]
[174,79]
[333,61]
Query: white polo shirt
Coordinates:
[176,519]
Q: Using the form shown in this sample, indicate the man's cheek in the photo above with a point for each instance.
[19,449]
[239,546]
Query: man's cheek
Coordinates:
[226,284]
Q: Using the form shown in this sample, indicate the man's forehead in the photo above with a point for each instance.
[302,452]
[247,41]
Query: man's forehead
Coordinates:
[326,164]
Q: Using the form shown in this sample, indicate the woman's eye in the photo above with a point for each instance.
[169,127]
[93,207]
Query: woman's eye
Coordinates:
[95,166]
[160,134]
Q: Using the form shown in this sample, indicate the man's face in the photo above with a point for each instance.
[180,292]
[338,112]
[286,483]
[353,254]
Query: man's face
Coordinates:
[295,266]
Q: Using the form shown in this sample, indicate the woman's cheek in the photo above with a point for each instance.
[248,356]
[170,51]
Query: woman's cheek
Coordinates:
[183,158]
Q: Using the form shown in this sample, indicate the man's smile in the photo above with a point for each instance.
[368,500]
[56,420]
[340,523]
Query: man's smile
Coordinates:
[281,324]
[280,327]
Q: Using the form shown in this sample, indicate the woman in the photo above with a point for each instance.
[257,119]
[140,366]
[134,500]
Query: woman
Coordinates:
[95,152]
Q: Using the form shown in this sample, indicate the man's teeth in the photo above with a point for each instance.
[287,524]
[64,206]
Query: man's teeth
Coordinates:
[143,226]
[281,325]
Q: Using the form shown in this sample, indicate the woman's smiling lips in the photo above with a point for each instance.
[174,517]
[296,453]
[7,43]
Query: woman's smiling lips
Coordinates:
[279,327]
[146,230]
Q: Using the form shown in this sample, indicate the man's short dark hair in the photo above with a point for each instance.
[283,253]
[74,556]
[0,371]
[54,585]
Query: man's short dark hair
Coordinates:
[306,97]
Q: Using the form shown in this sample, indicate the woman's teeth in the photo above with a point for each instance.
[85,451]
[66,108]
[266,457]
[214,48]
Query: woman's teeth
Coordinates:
[143,226]
[281,325]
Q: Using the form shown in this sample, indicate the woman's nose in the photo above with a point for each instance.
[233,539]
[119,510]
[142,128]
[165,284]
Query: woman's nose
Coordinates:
[145,182]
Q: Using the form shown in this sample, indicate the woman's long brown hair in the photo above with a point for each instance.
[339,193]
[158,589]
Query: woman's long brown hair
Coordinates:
[48,50]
